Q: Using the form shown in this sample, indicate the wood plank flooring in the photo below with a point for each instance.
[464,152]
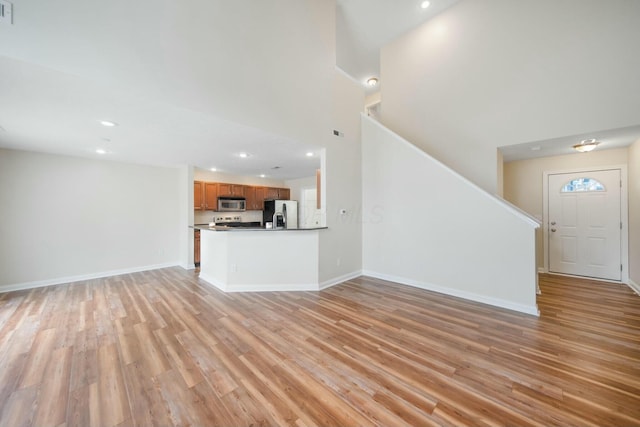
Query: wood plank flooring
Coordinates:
[161,348]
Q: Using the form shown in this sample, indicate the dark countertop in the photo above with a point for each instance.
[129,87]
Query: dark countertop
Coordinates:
[225,228]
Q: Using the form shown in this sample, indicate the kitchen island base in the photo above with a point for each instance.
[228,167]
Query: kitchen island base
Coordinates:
[252,261]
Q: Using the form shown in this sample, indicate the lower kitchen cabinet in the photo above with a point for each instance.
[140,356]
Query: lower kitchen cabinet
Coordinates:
[196,248]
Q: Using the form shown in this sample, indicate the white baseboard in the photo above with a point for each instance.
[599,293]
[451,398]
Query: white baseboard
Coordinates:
[340,279]
[292,287]
[634,286]
[188,266]
[257,287]
[532,310]
[541,270]
[82,277]
[212,282]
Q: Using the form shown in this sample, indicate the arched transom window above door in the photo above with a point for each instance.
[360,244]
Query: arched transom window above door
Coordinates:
[582,184]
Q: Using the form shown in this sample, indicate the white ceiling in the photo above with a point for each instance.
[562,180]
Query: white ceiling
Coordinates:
[609,139]
[53,99]
[48,111]
[165,75]
[364,26]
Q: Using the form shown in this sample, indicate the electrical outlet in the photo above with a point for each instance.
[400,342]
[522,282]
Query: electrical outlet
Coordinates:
[234,268]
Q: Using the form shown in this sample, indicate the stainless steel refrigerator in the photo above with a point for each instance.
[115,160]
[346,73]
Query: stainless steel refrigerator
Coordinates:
[281,213]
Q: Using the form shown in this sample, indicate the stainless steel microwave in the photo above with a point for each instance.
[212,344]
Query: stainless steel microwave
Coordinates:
[231,204]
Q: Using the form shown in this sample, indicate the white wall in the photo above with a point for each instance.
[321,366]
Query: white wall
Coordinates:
[634,213]
[65,218]
[304,191]
[341,244]
[424,225]
[523,181]
[491,73]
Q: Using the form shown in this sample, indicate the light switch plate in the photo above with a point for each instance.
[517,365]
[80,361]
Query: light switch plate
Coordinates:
[6,12]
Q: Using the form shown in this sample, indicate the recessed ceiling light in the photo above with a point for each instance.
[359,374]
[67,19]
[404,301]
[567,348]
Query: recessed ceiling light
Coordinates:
[425,4]
[263,175]
[372,81]
[101,151]
[213,170]
[309,154]
[535,148]
[108,124]
[244,155]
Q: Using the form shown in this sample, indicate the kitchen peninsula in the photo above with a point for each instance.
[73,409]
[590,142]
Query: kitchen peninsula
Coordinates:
[259,259]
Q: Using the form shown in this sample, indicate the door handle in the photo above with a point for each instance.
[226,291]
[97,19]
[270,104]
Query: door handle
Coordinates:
[553,230]
[553,223]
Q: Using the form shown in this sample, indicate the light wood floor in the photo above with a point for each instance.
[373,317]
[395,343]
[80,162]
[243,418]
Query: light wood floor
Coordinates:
[158,348]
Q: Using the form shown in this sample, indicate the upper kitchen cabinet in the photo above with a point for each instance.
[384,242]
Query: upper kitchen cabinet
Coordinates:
[198,195]
[254,200]
[277,193]
[235,190]
[211,196]
[255,197]
[205,196]
[284,194]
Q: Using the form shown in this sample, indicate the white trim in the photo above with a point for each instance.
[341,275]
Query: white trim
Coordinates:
[597,279]
[256,287]
[188,266]
[624,215]
[212,282]
[541,270]
[634,286]
[519,213]
[293,287]
[83,277]
[532,310]
[340,279]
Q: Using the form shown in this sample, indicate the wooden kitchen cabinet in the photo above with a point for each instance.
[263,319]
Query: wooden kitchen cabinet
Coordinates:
[233,190]
[198,195]
[196,248]
[284,193]
[261,195]
[278,193]
[252,201]
[271,193]
[255,198]
[205,196]
[210,196]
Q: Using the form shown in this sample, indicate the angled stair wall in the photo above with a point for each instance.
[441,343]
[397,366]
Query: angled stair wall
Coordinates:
[425,225]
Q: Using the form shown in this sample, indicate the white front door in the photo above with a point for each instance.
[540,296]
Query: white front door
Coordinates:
[584,227]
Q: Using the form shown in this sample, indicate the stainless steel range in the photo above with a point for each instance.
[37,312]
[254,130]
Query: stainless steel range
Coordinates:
[234,221]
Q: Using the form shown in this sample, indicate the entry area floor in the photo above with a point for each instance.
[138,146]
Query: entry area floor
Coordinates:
[162,348]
